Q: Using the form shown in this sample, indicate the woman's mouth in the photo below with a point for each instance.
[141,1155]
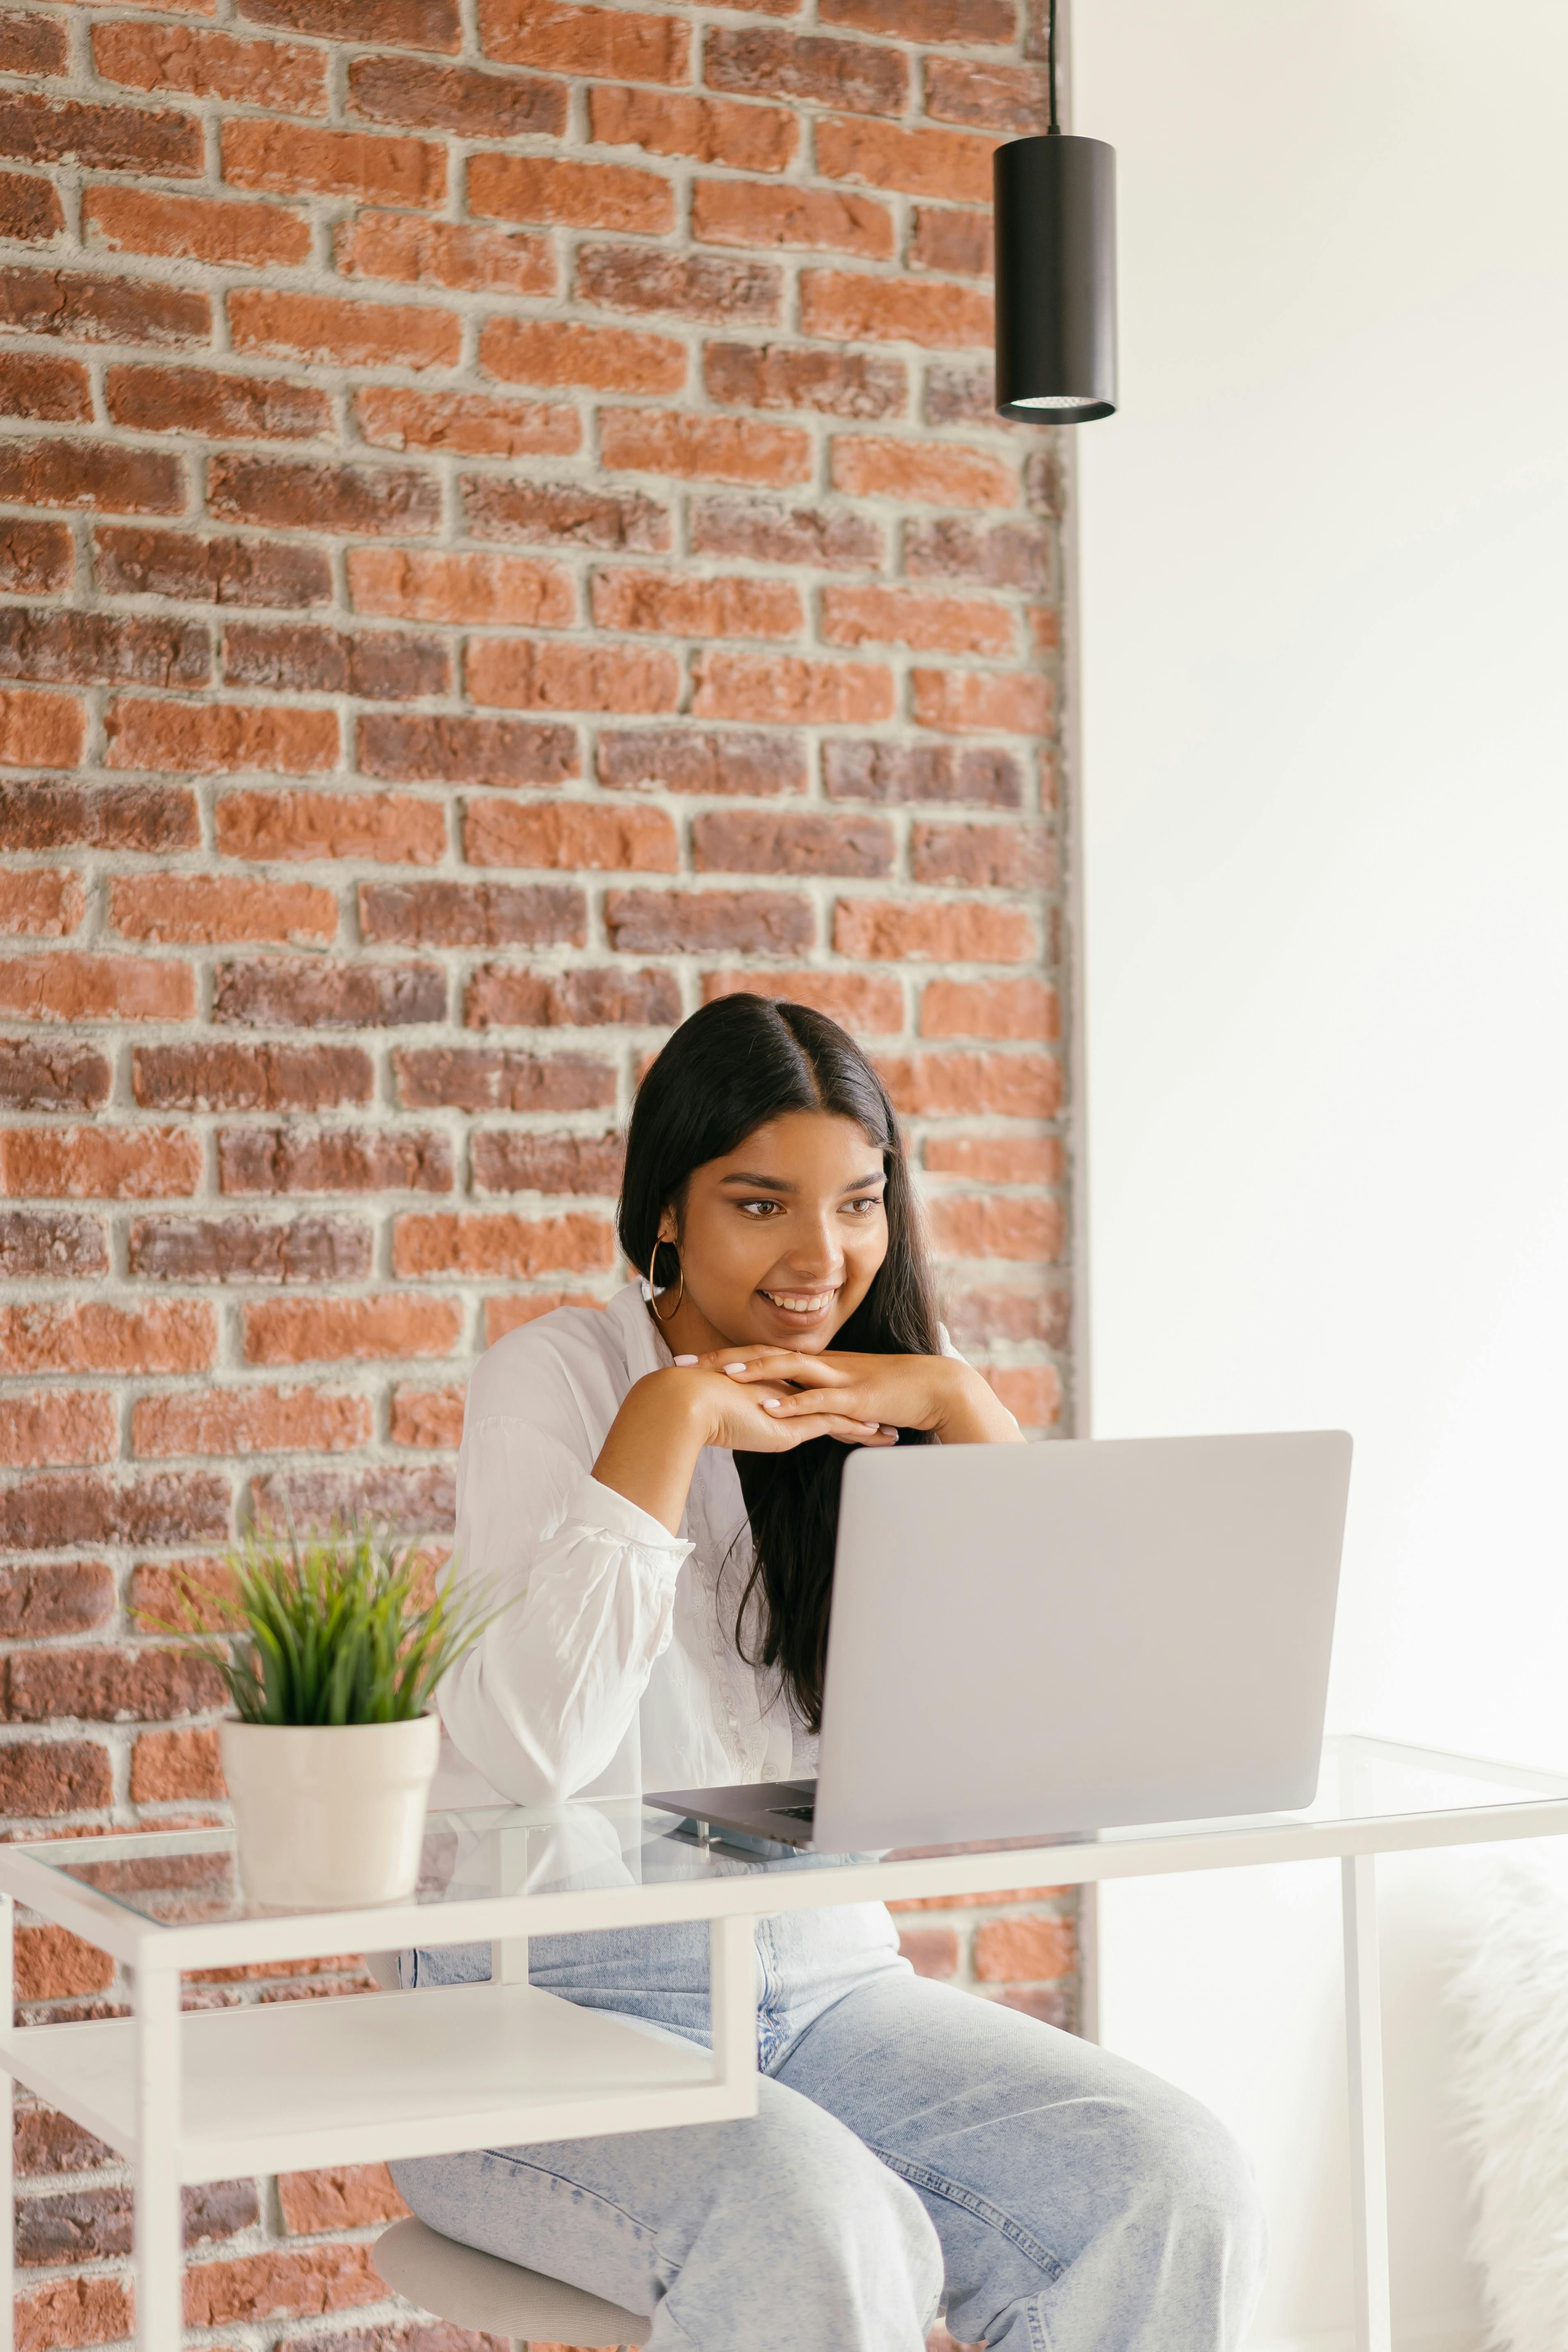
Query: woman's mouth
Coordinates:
[806,1305]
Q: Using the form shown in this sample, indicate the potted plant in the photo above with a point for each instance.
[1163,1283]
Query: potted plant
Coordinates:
[330,1649]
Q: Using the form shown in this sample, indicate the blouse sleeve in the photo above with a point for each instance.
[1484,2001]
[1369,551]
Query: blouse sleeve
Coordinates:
[585,1581]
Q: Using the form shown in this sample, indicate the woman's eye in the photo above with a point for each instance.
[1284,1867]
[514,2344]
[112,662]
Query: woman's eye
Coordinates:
[757,1208]
[864,1207]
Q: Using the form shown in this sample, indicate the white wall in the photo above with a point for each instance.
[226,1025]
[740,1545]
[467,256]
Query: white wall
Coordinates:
[1324,572]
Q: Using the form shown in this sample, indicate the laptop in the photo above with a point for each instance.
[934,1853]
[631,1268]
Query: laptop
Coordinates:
[1051,1640]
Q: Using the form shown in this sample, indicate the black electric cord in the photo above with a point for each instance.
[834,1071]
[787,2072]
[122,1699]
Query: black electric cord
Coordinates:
[1051,52]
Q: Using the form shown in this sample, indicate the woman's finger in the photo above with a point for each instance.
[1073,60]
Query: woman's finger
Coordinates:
[846,1401]
[785,1364]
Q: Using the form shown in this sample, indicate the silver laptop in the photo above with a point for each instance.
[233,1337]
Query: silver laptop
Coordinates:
[1063,1638]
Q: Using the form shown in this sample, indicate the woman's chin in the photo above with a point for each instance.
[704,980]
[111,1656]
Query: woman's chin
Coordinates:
[783,1327]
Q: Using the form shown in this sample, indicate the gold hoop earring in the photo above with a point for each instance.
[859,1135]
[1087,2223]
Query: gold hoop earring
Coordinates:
[652,1301]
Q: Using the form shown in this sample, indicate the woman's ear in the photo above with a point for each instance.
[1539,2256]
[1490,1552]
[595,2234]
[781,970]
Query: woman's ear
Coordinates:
[668,1231]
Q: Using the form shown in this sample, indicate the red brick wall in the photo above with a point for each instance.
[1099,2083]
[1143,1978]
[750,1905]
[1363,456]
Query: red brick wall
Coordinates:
[504,536]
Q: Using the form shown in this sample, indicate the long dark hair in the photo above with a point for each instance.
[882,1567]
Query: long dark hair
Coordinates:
[739,1062]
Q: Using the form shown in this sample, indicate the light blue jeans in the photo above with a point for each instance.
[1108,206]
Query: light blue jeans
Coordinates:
[910,2143]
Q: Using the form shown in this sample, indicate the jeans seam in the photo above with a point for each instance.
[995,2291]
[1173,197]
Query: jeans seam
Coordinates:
[920,2176]
[608,2204]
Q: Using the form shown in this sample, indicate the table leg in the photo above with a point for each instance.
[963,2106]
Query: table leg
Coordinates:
[8,2110]
[160,2248]
[732,2002]
[1368,2160]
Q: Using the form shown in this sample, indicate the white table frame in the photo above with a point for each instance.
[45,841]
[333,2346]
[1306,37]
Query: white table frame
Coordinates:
[140,2083]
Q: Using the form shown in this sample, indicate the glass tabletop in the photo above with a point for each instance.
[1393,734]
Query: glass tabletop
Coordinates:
[188,1876]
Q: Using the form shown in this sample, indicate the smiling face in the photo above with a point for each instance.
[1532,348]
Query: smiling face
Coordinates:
[780,1240]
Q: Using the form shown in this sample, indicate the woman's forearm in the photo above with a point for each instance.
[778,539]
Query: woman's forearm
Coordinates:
[650,1452]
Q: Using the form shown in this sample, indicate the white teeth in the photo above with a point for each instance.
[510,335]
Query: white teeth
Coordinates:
[798,1302]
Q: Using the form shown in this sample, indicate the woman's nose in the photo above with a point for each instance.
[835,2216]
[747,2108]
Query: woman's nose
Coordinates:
[814,1253]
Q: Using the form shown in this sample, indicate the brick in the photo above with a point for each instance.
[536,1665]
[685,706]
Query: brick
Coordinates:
[210,908]
[417,252]
[469,424]
[360,500]
[463,98]
[385,827]
[39,904]
[422,1499]
[707,448]
[388,1329]
[473,914]
[95,2225]
[69,987]
[785,691]
[61,1511]
[293,159]
[214,1076]
[956,930]
[344,2197]
[1017,1950]
[827,540]
[557,189]
[777,375]
[93,1337]
[896,617]
[961,244]
[257,2286]
[501,996]
[1001,555]
[90,310]
[41,730]
[38,129]
[30,209]
[91,473]
[917,161]
[44,2140]
[694,286]
[503,1161]
[991,1224]
[488,1248]
[37,1604]
[987,97]
[143,817]
[37,1779]
[762,841]
[984,856]
[279,75]
[1025,1011]
[562,514]
[958,394]
[204,228]
[676,604]
[51,1077]
[426,1417]
[972,22]
[333,1159]
[865,1002]
[166,1766]
[227,1422]
[755,923]
[51,1963]
[937,473]
[612,44]
[504,1315]
[99,1163]
[711,129]
[335,334]
[564,350]
[843,306]
[998,1159]
[955,1086]
[739,212]
[978,1317]
[210,738]
[818,68]
[100,648]
[686,760]
[49,391]
[420,584]
[291,992]
[50,1243]
[495,1077]
[249,1249]
[980,702]
[71,2311]
[542,674]
[465,751]
[210,571]
[383,666]
[34,556]
[403,24]
[56,1426]
[570,836]
[930,1951]
[31,44]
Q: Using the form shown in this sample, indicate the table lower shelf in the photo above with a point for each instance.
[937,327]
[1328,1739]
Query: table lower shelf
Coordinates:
[288,2085]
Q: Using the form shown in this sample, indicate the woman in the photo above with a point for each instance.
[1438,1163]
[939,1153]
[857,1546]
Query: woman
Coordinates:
[664,1477]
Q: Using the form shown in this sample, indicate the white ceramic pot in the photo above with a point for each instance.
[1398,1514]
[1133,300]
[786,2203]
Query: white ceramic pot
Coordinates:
[329,1816]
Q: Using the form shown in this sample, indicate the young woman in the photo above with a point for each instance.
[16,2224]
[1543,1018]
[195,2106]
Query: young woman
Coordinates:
[663,1477]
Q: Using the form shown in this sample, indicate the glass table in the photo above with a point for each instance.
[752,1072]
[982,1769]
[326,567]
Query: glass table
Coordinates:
[204,2094]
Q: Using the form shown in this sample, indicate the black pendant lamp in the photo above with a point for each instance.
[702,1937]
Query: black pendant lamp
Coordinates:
[1056,274]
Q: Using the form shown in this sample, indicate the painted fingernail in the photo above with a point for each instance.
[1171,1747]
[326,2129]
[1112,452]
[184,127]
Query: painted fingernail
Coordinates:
[888,1429]
[685,1359]
[774,1404]
[735,1368]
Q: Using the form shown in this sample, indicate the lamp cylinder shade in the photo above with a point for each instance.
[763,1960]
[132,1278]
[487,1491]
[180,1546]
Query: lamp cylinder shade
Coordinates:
[1056,279]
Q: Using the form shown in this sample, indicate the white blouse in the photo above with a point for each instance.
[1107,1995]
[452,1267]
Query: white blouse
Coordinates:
[617,1669]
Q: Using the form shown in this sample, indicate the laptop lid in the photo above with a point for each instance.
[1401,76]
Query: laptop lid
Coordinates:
[1078,1635]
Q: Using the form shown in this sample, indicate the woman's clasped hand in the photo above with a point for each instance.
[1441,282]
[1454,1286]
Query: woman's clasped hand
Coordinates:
[877,1395]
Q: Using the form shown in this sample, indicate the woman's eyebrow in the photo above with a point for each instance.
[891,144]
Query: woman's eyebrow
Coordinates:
[758,1184]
